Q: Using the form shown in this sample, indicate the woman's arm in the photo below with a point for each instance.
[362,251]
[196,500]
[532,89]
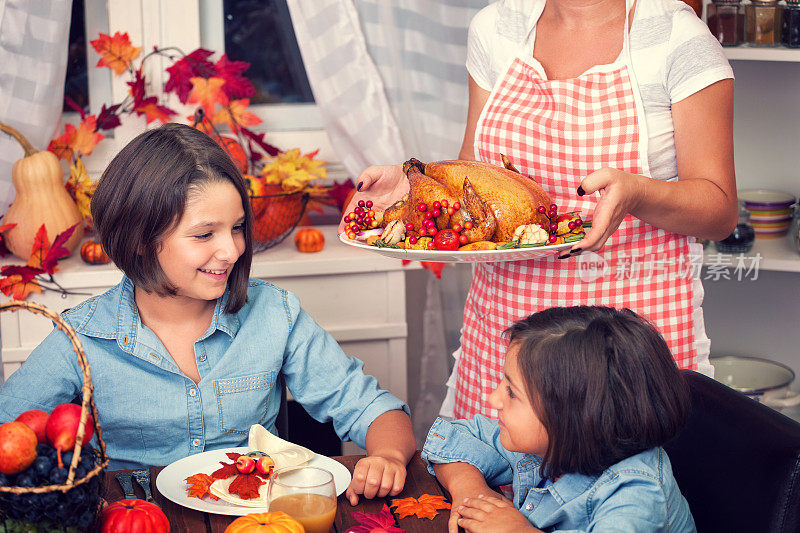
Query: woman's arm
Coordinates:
[702,202]
[477,99]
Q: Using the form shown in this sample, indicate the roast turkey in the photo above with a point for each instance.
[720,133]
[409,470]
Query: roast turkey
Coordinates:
[495,199]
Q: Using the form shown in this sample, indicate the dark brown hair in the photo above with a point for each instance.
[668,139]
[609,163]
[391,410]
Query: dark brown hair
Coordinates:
[603,383]
[142,195]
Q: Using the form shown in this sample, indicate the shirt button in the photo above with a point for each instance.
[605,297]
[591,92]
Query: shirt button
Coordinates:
[202,357]
[528,507]
[192,392]
[196,443]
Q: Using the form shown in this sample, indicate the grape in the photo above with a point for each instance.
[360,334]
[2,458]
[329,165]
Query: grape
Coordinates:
[58,475]
[66,458]
[42,466]
[3,480]
[26,479]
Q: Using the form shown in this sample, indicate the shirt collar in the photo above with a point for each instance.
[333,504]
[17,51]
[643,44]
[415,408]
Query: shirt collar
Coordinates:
[128,317]
[565,488]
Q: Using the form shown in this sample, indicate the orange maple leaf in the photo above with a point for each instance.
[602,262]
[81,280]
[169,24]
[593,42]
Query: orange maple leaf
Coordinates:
[77,141]
[208,92]
[246,485]
[41,245]
[115,52]
[153,111]
[19,289]
[199,486]
[236,115]
[427,506]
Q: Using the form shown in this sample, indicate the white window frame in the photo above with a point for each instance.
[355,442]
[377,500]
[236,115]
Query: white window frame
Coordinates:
[186,24]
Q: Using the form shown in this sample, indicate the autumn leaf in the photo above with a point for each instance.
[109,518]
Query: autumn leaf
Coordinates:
[246,486]
[236,85]
[81,188]
[258,138]
[227,469]
[382,522]
[427,506]
[207,93]
[136,90]
[57,250]
[108,119]
[75,142]
[153,111]
[17,288]
[182,71]
[115,52]
[236,115]
[41,245]
[199,485]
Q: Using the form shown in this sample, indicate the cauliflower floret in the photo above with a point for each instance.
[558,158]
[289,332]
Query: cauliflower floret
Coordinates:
[530,234]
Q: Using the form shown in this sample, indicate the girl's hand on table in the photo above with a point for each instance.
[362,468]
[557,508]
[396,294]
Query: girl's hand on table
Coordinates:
[491,514]
[620,192]
[383,184]
[375,475]
[464,494]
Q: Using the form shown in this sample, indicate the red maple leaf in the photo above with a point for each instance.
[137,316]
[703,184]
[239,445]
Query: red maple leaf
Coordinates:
[236,85]
[227,469]
[137,88]
[41,244]
[191,66]
[246,486]
[26,273]
[258,138]
[108,119]
[57,250]
[382,522]
[153,111]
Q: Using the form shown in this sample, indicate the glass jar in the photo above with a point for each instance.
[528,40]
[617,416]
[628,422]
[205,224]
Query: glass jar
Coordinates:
[742,238]
[790,29]
[763,23]
[725,19]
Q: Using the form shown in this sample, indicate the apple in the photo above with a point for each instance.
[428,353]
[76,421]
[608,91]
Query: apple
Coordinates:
[62,428]
[17,447]
[245,464]
[36,419]
[264,465]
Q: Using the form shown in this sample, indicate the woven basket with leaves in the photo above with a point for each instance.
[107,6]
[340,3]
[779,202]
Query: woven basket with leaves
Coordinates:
[71,503]
[275,216]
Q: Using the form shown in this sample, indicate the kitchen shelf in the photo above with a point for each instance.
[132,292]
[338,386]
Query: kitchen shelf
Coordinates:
[746,52]
[776,255]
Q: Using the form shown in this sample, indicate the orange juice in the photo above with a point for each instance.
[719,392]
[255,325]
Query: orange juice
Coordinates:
[315,512]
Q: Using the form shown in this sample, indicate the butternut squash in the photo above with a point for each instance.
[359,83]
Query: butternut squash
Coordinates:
[41,199]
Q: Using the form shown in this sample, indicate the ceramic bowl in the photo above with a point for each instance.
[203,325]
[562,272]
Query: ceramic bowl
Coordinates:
[766,199]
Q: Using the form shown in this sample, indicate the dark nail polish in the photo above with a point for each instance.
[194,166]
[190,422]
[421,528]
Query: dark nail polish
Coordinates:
[358,187]
[564,256]
[576,251]
[581,192]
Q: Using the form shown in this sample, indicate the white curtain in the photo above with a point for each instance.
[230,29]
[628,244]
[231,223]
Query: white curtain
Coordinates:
[33,57]
[390,81]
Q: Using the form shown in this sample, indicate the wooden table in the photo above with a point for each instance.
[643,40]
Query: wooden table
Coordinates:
[418,482]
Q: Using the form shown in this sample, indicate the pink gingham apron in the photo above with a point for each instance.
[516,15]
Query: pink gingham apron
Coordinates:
[558,132]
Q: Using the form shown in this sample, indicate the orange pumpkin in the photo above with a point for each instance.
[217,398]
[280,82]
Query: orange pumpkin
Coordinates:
[309,240]
[277,522]
[134,515]
[234,150]
[92,252]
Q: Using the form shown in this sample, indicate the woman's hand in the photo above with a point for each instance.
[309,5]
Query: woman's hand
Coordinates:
[490,514]
[383,184]
[376,476]
[620,193]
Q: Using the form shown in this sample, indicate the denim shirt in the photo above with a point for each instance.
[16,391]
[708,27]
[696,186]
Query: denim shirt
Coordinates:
[638,494]
[152,414]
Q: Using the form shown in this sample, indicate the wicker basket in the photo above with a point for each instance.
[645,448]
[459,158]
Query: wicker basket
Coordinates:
[275,216]
[37,497]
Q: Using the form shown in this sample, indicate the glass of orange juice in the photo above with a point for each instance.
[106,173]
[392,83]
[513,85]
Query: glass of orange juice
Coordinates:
[307,494]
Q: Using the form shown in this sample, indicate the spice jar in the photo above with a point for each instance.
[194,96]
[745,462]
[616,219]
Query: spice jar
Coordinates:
[790,29]
[763,23]
[726,21]
[743,236]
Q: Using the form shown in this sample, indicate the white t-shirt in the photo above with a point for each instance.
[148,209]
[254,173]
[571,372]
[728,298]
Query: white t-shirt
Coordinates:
[673,55]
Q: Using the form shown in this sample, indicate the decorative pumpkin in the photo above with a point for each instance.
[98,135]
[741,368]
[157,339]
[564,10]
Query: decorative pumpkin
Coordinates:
[277,522]
[140,516]
[234,150]
[41,199]
[309,240]
[92,252]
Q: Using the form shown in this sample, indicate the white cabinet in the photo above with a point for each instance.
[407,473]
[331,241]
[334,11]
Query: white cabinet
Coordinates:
[358,296]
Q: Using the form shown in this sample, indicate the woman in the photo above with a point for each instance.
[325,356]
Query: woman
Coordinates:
[623,112]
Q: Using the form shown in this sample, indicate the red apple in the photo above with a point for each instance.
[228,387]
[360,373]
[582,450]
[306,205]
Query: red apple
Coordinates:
[36,419]
[62,427]
[17,447]
[265,465]
[245,464]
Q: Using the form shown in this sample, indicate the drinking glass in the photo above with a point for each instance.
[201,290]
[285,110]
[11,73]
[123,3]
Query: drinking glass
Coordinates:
[307,494]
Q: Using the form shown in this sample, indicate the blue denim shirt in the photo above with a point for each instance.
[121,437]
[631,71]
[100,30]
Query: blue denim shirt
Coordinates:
[152,414]
[638,494]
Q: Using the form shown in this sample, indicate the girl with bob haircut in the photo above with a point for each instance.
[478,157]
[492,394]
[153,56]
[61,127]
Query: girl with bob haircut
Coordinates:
[588,397]
[187,352]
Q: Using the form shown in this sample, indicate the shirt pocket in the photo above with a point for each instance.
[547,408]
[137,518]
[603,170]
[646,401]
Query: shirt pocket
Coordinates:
[242,401]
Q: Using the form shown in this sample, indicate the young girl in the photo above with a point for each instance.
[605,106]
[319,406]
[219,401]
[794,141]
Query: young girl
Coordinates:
[588,396]
[187,352]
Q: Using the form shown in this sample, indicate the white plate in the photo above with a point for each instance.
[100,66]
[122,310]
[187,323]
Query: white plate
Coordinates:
[476,256]
[171,480]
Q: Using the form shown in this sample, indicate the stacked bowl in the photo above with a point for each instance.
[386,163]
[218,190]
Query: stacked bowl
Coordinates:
[770,211]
